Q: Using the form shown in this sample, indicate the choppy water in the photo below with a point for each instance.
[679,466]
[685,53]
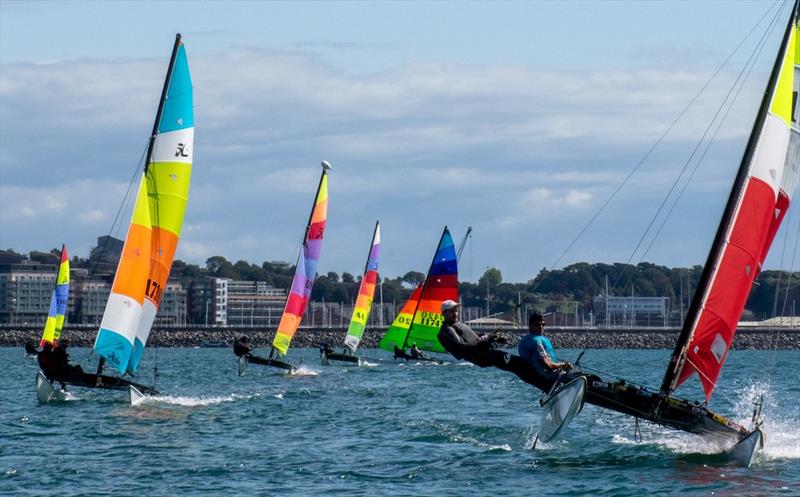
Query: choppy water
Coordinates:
[389,429]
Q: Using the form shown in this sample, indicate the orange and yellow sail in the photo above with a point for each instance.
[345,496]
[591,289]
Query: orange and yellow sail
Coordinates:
[155,227]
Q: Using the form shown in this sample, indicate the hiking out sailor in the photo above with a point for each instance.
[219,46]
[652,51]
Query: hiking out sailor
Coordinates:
[415,352]
[463,343]
[325,349]
[46,362]
[536,350]
[30,348]
[242,346]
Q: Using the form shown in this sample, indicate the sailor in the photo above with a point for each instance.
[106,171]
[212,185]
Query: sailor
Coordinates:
[415,352]
[463,343]
[45,359]
[400,354]
[30,348]
[242,346]
[325,349]
[61,361]
[536,350]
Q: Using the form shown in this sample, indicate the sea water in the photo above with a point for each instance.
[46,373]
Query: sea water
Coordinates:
[386,428]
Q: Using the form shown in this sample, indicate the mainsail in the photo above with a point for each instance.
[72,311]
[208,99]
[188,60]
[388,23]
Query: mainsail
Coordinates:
[58,302]
[306,270]
[758,200]
[366,291]
[421,325]
[155,226]
[168,173]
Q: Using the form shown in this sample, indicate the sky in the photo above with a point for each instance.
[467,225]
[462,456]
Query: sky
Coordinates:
[520,119]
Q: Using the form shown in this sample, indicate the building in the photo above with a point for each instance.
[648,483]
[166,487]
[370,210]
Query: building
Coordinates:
[227,302]
[25,292]
[631,311]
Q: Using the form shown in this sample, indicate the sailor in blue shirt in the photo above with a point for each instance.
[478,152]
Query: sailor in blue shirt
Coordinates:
[536,350]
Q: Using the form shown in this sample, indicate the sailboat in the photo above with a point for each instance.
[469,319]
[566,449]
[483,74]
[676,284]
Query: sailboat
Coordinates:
[58,302]
[358,321]
[151,240]
[302,283]
[419,320]
[760,196]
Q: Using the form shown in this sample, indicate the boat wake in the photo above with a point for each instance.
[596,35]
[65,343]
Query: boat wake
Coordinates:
[303,371]
[187,401]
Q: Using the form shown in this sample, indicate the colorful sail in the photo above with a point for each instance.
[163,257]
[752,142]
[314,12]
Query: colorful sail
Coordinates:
[155,227]
[168,176]
[440,285]
[366,291]
[58,302]
[396,335]
[421,317]
[114,341]
[743,238]
[306,271]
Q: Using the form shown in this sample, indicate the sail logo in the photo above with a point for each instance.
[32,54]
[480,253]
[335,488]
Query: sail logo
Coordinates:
[182,149]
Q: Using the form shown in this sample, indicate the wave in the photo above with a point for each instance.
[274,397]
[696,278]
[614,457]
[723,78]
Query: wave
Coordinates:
[188,401]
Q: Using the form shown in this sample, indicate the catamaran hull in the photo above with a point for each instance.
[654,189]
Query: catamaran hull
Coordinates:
[45,391]
[263,361]
[560,406]
[135,396]
[325,359]
[675,413]
[745,451]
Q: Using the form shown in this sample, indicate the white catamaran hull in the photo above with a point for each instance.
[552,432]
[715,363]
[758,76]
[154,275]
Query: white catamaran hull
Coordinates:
[135,396]
[242,365]
[45,391]
[745,451]
[560,406]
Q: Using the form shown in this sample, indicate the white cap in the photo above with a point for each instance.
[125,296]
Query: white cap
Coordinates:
[449,304]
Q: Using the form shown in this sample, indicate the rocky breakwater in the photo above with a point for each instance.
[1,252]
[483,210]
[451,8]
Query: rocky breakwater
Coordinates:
[586,338]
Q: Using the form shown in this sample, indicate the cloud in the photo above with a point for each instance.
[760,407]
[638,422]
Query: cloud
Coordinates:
[419,146]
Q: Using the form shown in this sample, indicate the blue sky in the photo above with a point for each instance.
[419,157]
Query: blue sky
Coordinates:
[518,118]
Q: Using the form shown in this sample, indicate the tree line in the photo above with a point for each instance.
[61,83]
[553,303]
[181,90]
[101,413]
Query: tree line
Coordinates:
[774,293]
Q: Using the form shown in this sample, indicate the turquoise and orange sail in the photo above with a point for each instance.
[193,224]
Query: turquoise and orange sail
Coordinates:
[441,284]
[306,270]
[58,302]
[155,225]
[168,175]
[366,292]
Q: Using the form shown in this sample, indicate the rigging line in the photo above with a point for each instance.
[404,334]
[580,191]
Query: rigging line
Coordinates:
[652,148]
[714,383]
[781,265]
[791,272]
[125,199]
[697,164]
[774,334]
[729,100]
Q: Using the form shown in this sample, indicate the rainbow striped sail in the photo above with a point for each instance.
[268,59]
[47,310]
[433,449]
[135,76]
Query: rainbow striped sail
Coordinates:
[396,335]
[365,293]
[155,226]
[168,174]
[441,284]
[58,302]
[306,271]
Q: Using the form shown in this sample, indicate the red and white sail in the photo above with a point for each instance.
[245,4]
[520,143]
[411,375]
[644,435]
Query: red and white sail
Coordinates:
[757,204]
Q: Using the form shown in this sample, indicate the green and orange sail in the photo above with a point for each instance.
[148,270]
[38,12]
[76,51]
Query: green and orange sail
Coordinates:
[366,293]
[420,319]
[306,271]
[58,302]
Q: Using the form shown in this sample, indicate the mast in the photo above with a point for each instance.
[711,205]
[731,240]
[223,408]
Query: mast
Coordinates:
[678,358]
[422,292]
[463,243]
[161,101]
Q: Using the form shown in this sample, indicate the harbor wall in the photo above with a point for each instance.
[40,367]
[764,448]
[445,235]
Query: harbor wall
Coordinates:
[569,338]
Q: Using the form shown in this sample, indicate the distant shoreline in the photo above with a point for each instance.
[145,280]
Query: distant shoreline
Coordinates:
[588,338]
